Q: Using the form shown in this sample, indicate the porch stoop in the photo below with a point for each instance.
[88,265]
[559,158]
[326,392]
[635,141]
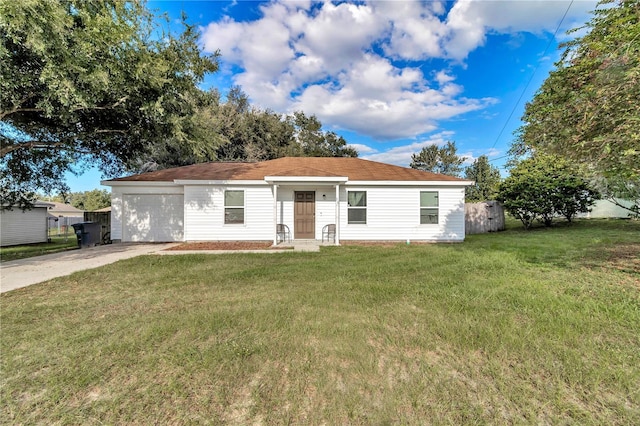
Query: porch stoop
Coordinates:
[305,245]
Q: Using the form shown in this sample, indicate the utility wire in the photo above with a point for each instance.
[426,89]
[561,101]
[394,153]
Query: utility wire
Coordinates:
[532,75]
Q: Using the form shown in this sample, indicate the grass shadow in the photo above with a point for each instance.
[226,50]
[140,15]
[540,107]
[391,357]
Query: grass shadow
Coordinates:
[609,243]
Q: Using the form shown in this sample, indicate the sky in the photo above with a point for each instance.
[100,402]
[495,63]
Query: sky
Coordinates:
[392,76]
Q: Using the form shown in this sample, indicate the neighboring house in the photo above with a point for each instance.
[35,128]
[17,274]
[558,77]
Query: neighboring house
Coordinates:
[64,210]
[103,210]
[66,215]
[607,209]
[365,200]
[24,227]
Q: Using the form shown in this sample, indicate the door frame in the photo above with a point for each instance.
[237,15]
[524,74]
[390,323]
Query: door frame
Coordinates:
[295,215]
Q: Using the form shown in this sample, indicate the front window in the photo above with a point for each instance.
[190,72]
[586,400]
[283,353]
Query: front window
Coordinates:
[357,211]
[234,207]
[428,207]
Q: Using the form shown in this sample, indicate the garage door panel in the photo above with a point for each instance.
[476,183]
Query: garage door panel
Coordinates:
[153,218]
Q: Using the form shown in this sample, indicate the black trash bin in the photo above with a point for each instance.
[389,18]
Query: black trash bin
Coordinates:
[89,234]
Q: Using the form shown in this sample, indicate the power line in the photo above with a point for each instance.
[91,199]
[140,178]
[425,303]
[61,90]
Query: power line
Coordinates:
[498,158]
[532,75]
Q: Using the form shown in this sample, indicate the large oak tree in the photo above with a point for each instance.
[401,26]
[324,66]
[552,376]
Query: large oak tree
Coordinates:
[92,82]
[587,110]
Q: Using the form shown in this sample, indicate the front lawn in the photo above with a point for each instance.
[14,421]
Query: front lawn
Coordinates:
[516,327]
[57,244]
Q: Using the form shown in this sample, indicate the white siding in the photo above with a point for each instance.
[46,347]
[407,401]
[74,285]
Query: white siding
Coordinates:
[393,213]
[117,202]
[23,227]
[204,214]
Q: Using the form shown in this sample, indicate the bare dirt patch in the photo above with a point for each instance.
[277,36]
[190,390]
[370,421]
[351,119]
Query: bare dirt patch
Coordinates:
[624,257]
[224,245]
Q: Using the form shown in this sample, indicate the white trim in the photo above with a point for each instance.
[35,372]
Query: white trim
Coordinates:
[292,179]
[218,182]
[306,179]
[275,214]
[337,214]
[137,183]
[243,207]
[409,183]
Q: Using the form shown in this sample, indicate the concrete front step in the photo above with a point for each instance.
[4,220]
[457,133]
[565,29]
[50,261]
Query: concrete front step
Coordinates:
[305,245]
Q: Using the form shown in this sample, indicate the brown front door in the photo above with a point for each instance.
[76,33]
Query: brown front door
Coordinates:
[304,215]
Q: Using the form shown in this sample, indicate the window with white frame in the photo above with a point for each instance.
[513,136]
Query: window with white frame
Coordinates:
[428,207]
[234,207]
[357,207]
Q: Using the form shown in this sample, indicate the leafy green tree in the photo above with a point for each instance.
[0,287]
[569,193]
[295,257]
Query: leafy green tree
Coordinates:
[86,82]
[239,131]
[444,160]
[314,142]
[486,177]
[543,187]
[91,200]
[587,110]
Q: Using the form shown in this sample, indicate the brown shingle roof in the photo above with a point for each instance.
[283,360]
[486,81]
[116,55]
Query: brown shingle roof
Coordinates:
[64,208]
[356,169]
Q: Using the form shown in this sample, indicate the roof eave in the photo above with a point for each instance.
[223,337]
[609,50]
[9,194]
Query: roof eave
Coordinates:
[306,179]
[136,183]
[412,182]
[219,182]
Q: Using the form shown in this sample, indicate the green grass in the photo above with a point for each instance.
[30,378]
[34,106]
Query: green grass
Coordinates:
[517,327]
[56,245]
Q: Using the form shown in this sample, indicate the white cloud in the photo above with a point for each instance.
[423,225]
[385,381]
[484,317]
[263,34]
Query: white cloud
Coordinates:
[468,158]
[327,59]
[401,155]
[362,149]
[442,77]
[470,20]
[493,152]
[339,34]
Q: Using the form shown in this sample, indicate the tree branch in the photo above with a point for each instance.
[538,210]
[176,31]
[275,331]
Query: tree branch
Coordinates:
[29,145]
[17,108]
[53,145]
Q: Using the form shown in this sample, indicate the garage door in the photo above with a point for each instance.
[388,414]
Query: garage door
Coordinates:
[153,217]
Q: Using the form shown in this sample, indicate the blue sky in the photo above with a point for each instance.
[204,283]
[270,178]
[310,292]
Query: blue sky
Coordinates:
[390,76]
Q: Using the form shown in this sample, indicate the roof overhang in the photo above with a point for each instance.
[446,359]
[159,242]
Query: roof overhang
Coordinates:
[136,183]
[327,180]
[36,203]
[410,183]
[288,180]
[217,182]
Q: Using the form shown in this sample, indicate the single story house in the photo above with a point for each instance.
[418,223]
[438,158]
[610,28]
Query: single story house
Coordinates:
[103,210]
[24,227]
[221,201]
[65,210]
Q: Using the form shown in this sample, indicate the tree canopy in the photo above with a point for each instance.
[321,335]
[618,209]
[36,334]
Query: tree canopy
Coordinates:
[486,177]
[92,82]
[88,200]
[435,159]
[544,186]
[243,132]
[587,110]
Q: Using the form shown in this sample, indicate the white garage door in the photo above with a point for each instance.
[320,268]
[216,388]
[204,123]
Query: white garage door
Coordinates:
[153,217]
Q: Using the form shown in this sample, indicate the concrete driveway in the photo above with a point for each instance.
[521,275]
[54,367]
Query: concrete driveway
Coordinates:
[21,273]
